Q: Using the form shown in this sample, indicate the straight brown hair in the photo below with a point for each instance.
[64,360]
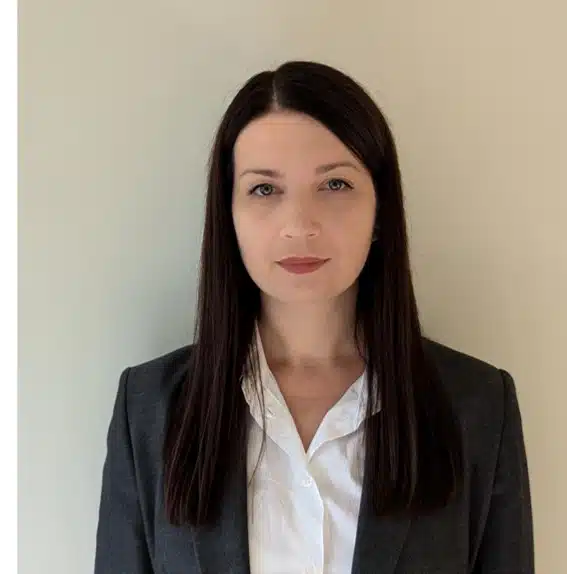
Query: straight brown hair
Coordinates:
[413,448]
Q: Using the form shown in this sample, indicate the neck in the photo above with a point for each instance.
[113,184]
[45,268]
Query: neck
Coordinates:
[310,334]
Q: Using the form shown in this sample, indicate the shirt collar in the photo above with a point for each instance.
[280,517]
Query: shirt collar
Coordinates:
[353,401]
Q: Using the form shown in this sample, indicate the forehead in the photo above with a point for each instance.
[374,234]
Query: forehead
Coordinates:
[287,137]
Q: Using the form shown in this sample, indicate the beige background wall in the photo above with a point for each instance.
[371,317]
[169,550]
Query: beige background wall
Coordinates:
[118,104]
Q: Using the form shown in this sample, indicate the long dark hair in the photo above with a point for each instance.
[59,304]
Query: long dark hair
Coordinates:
[413,450]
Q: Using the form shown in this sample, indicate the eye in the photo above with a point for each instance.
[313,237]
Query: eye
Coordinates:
[262,190]
[336,184]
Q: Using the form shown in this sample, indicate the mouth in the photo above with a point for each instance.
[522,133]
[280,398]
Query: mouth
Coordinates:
[301,265]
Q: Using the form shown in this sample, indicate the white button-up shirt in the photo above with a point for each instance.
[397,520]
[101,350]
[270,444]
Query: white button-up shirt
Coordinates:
[303,506]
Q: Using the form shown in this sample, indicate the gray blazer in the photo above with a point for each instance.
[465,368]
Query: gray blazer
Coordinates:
[487,531]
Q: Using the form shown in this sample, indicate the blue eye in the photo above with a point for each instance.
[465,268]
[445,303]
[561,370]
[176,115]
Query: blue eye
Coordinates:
[262,190]
[338,184]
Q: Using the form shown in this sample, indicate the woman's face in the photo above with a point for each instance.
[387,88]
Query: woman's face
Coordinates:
[299,192]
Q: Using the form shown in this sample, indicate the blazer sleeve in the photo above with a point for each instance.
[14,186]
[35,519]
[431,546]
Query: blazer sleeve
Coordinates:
[507,546]
[121,546]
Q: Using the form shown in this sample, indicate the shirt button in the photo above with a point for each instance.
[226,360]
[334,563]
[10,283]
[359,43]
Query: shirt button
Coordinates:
[307,482]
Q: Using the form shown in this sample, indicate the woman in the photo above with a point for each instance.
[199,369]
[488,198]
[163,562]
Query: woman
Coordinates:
[312,427]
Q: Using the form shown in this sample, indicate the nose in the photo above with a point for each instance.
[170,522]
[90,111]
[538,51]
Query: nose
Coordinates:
[300,221]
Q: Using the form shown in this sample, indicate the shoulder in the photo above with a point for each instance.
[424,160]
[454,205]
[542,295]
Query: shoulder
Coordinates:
[148,387]
[462,374]
[481,393]
[466,378]
[153,379]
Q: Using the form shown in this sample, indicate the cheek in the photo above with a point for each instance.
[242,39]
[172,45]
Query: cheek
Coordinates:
[253,240]
[352,245]
[352,239]
[356,225]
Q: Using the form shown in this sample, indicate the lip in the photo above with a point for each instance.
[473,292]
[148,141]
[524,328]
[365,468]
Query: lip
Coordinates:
[302,265]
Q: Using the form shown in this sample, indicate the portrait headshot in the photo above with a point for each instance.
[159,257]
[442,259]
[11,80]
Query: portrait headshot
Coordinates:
[292,288]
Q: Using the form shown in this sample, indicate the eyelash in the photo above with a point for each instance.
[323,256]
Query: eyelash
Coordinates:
[346,186]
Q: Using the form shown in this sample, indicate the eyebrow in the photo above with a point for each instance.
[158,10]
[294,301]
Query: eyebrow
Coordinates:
[273,173]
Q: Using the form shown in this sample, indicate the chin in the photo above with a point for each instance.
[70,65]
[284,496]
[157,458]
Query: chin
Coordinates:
[306,290]
[303,295]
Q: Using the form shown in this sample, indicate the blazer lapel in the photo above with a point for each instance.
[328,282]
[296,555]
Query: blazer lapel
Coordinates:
[379,541]
[223,547]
